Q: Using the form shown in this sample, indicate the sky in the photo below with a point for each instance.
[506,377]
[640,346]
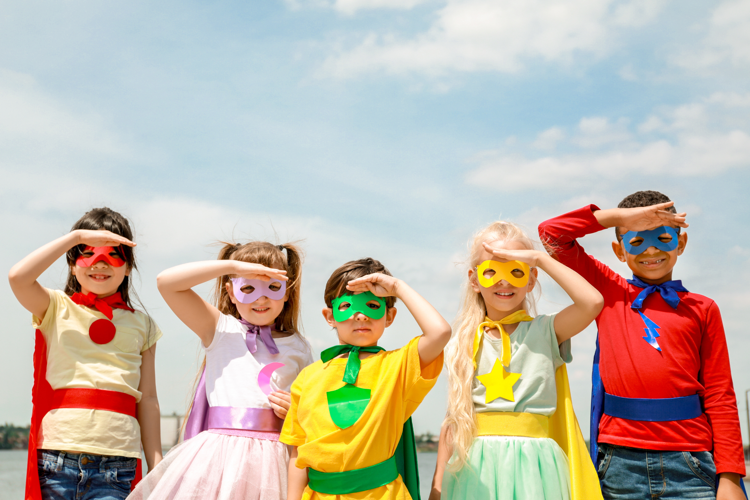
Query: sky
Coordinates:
[386,128]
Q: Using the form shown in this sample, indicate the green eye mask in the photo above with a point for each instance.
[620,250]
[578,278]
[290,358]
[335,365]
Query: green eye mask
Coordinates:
[345,306]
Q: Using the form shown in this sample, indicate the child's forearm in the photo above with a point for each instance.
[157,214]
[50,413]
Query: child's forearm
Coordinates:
[148,412]
[23,276]
[729,487]
[186,276]
[445,450]
[297,480]
[609,217]
[436,331]
[149,419]
[587,301]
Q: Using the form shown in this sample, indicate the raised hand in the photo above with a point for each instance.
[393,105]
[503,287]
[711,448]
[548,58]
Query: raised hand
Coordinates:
[101,238]
[645,218]
[530,257]
[251,271]
[381,285]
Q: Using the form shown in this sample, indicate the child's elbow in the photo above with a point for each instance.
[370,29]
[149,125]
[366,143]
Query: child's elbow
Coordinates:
[597,304]
[161,281]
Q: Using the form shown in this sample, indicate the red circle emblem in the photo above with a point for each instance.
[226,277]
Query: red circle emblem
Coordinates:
[102,331]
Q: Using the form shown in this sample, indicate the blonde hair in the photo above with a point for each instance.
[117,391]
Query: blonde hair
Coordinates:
[269,255]
[461,418]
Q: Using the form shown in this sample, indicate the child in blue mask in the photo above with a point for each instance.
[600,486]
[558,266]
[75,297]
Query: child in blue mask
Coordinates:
[664,412]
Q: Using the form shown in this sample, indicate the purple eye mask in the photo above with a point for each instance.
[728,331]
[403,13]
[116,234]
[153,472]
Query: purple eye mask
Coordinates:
[261,288]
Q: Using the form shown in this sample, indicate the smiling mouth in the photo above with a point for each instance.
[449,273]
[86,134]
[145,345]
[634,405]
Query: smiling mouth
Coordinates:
[261,309]
[505,294]
[99,277]
[652,262]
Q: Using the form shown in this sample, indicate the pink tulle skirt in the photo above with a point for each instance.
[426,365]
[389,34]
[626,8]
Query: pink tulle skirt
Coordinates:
[218,466]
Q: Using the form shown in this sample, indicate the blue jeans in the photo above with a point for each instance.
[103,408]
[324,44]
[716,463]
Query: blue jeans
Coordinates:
[634,474]
[73,476]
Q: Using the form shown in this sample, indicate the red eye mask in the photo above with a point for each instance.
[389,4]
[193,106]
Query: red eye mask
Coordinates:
[100,254]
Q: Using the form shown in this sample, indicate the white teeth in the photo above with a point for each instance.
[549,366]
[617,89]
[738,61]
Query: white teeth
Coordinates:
[508,294]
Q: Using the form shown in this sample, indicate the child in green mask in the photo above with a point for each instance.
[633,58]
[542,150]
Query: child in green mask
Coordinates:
[349,421]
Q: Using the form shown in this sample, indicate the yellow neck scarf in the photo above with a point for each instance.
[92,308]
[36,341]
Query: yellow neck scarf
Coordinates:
[516,317]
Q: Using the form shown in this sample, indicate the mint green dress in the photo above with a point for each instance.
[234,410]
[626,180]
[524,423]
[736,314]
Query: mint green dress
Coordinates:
[512,467]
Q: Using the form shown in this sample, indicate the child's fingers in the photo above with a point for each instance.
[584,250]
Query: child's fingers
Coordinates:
[661,206]
[281,399]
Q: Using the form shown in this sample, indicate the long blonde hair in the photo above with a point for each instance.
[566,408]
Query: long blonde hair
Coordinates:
[461,418]
[269,255]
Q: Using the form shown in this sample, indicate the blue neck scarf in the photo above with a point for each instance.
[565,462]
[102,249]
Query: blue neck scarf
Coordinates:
[667,290]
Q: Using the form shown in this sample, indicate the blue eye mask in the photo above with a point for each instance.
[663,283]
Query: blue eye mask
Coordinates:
[650,238]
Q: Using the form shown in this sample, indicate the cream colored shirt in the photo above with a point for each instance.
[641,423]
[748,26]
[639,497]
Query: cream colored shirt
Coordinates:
[75,361]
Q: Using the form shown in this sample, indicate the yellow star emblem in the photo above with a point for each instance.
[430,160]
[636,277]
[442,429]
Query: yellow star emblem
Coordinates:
[499,383]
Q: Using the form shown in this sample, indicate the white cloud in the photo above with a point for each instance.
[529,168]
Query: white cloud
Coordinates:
[549,138]
[352,6]
[487,35]
[730,99]
[597,131]
[34,126]
[637,12]
[727,39]
[689,148]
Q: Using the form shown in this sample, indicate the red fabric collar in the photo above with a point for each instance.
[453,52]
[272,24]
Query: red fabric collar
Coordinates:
[104,305]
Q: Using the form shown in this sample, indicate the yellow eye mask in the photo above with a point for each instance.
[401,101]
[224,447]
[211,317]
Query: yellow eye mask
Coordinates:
[514,272]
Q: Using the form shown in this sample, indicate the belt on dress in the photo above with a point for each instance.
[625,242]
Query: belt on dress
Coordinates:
[250,419]
[355,480]
[94,399]
[653,410]
[506,423]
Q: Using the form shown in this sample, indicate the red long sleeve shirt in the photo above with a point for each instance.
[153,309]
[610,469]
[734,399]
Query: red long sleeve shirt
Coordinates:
[693,357]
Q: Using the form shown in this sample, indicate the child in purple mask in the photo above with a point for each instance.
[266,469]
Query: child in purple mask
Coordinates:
[254,351]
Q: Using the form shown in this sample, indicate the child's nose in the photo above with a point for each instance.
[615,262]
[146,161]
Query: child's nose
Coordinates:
[359,316]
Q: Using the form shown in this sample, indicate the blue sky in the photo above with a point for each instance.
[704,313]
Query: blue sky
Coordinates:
[393,129]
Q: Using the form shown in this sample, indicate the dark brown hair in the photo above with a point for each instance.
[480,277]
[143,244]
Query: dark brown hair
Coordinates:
[336,285]
[97,219]
[269,255]
[644,199]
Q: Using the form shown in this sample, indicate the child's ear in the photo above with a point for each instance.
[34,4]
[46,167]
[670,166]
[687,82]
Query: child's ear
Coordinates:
[390,315]
[681,242]
[619,250]
[473,283]
[328,315]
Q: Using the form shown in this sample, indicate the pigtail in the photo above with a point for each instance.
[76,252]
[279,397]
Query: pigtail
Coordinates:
[289,319]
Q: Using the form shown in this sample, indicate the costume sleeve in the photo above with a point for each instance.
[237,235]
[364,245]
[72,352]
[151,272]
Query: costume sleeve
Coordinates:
[50,316]
[152,333]
[559,353]
[559,237]
[719,400]
[418,381]
[292,433]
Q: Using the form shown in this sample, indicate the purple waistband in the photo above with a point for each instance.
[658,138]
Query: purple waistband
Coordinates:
[252,419]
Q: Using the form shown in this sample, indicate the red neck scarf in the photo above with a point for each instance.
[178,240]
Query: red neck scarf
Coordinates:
[104,304]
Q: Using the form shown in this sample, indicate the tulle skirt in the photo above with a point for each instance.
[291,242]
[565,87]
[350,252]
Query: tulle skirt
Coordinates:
[510,468]
[216,466]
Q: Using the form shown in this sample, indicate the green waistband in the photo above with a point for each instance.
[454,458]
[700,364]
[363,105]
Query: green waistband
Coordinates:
[353,481]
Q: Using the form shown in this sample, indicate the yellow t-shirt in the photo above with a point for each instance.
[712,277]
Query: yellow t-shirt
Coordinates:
[398,386]
[75,361]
